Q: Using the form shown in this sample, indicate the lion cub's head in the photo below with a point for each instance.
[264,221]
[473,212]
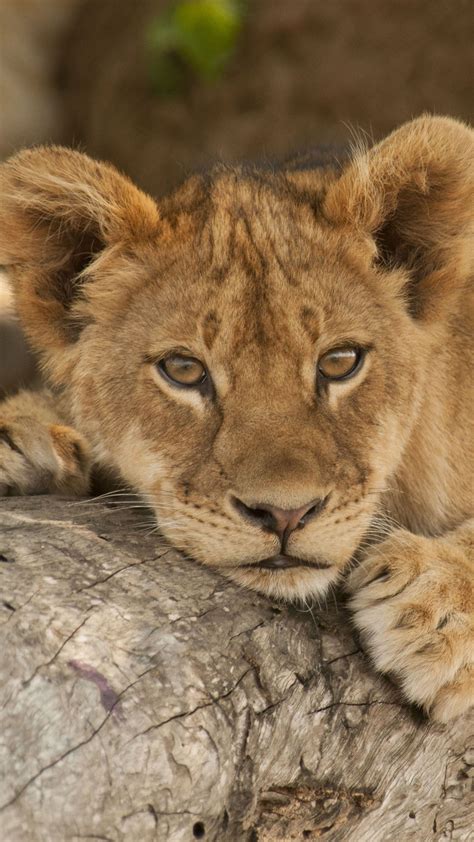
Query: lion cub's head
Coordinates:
[249,353]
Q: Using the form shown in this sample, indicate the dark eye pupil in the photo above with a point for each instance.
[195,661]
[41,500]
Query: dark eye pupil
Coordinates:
[187,371]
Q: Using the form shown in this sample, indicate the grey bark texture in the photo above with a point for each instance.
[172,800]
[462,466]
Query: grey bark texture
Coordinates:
[146,698]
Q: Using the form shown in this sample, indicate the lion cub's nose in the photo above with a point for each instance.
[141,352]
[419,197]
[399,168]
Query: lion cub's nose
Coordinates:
[280,521]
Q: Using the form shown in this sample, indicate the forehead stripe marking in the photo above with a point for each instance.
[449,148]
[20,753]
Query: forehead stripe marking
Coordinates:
[210,329]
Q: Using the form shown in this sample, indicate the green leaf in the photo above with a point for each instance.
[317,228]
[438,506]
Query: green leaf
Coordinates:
[196,34]
[208,30]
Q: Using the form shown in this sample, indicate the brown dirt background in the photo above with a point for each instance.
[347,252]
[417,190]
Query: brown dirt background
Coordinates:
[304,72]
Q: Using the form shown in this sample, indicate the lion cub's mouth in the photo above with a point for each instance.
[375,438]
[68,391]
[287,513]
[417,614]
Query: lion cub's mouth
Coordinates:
[284,562]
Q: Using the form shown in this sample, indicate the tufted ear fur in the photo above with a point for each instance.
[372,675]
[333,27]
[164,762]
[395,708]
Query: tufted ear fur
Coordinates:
[60,210]
[413,193]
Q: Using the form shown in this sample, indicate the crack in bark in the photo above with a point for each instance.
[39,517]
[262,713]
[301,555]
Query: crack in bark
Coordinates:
[436,829]
[246,735]
[19,608]
[346,655]
[28,681]
[247,631]
[284,698]
[369,703]
[214,701]
[76,747]
[194,616]
[114,573]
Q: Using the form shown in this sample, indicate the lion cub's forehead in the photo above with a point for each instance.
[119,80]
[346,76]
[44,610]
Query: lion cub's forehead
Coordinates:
[273,261]
[260,213]
[229,207]
[263,267]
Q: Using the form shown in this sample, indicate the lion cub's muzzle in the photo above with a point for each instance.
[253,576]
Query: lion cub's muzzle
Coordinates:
[282,522]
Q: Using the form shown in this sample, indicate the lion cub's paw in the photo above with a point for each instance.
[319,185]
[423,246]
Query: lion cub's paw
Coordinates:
[36,458]
[413,602]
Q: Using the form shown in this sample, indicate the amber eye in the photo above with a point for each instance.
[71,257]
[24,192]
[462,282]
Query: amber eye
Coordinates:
[340,363]
[184,371]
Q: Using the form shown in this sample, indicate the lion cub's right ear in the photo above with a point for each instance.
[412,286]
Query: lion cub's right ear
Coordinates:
[60,210]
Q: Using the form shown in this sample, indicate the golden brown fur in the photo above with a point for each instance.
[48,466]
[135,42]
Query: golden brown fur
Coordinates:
[258,274]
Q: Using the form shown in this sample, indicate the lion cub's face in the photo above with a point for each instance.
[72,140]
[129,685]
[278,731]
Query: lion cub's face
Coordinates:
[256,384]
[246,353]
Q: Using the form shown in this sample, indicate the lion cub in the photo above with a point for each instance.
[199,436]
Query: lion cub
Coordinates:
[279,363]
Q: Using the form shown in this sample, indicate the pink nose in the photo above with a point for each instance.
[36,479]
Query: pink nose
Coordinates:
[280,521]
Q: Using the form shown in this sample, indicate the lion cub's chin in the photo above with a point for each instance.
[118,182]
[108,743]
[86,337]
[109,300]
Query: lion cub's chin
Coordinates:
[297,584]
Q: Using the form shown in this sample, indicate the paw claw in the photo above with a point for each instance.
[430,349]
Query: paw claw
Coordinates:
[412,612]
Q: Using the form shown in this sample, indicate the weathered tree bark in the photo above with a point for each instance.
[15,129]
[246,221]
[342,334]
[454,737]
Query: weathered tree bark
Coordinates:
[145,698]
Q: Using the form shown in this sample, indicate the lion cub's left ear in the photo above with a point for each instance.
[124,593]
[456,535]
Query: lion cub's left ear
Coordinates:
[60,211]
[413,193]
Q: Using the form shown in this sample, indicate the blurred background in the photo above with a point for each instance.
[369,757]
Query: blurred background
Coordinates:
[162,87]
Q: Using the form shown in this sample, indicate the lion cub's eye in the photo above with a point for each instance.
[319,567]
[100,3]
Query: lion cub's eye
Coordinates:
[340,363]
[184,371]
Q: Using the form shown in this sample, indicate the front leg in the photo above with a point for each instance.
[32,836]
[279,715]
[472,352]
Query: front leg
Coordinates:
[413,602]
[39,452]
